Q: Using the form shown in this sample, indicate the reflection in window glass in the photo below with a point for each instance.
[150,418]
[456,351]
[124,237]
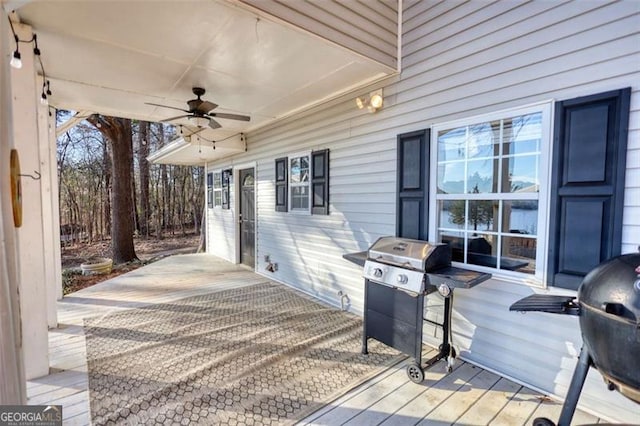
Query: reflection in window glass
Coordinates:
[520,217]
[217,189]
[521,174]
[452,213]
[480,216]
[488,180]
[522,135]
[519,254]
[452,144]
[451,178]
[299,169]
[482,176]
[299,182]
[456,241]
[484,140]
[482,250]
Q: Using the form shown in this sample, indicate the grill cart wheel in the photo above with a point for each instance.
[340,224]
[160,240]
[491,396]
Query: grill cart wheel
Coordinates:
[415,373]
[543,421]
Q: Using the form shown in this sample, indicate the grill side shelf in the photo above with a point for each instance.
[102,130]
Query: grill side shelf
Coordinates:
[549,303]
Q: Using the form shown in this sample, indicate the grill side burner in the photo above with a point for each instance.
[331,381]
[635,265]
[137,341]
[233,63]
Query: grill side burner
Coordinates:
[398,274]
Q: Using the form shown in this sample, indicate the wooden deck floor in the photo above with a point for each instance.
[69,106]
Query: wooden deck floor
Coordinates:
[467,396]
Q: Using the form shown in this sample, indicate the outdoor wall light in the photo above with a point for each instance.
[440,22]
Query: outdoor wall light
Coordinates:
[373,101]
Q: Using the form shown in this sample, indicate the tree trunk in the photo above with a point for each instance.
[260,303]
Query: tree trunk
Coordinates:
[143,168]
[118,131]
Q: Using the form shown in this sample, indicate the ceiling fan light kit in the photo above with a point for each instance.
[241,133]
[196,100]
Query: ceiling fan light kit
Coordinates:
[199,112]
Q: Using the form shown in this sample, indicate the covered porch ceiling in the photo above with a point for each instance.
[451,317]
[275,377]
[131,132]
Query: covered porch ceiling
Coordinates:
[114,57]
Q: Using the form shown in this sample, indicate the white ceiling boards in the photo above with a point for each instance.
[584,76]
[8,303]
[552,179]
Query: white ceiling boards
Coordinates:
[111,57]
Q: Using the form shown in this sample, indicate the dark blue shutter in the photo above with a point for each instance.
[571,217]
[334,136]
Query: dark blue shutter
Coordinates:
[413,185]
[320,182]
[281,184]
[587,187]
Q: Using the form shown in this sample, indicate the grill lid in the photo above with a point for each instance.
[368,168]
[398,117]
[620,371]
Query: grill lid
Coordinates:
[613,287]
[411,254]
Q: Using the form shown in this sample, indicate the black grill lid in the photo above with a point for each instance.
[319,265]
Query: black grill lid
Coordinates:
[614,287]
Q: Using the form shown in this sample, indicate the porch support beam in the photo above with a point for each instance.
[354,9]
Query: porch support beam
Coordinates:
[30,236]
[12,383]
[50,211]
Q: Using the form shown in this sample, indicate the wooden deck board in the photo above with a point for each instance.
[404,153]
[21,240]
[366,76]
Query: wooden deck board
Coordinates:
[467,396]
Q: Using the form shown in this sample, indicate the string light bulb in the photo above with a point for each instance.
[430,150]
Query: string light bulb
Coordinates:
[16,59]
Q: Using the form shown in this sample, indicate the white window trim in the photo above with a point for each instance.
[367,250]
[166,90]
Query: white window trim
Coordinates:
[546,145]
[290,185]
[213,188]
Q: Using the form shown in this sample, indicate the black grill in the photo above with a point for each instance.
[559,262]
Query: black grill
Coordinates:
[399,273]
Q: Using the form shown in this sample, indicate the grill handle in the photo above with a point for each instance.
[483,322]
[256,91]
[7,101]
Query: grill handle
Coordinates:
[405,265]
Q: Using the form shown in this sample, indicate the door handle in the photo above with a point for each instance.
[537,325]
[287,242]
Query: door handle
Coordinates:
[239,218]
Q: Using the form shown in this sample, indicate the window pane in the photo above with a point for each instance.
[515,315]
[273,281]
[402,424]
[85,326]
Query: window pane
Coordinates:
[451,178]
[304,169]
[519,254]
[217,200]
[521,175]
[451,144]
[481,215]
[217,180]
[295,170]
[482,176]
[482,249]
[456,241]
[522,134]
[451,214]
[484,140]
[300,197]
[299,169]
[520,217]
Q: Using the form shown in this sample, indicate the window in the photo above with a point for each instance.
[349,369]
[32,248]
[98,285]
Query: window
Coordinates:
[490,178]
[214,189]
[210,190]
[299,183]
[302,183]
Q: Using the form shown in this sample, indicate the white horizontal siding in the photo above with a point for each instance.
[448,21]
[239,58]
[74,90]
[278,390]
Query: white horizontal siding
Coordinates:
[369,28]
[461,59]
[221,229]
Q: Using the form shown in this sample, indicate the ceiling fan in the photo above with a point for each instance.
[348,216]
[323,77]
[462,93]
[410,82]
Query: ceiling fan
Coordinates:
[200,111]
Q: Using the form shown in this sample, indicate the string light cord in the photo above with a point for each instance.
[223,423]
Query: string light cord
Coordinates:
[16,60]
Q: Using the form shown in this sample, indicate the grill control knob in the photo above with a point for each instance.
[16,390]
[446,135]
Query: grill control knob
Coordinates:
[377,272]
[402,279]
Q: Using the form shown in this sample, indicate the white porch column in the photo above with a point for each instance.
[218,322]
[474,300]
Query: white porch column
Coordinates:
[12,384]
[50,211]
[31,267]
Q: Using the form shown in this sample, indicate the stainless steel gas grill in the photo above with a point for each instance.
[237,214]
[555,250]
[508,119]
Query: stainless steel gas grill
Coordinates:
[398,274]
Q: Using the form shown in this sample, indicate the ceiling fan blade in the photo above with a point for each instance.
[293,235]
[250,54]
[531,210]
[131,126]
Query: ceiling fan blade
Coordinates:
[230,116]
[206,106]
[214,124]
[175,118]
[166,106]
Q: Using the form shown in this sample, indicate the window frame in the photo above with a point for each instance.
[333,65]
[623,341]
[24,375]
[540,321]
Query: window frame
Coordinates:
[214,189]
[291,185]
[537,279]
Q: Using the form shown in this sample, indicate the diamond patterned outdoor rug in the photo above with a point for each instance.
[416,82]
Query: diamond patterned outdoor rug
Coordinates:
[261,354]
